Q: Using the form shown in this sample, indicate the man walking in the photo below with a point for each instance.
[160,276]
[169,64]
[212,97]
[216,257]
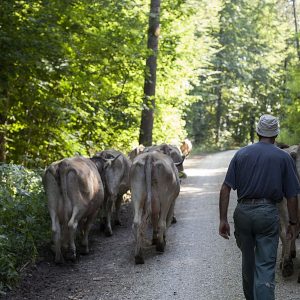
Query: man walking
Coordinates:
[262,174]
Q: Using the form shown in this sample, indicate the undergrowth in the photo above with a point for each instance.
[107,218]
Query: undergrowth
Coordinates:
[24,220]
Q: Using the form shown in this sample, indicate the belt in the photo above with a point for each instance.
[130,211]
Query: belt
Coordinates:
[256,201]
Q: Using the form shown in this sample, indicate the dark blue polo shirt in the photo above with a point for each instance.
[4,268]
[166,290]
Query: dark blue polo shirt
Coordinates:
[262,170]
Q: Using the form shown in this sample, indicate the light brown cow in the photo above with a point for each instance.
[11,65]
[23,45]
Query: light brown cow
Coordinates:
[114,168]
[155,186]
[136,151]
[177,157]
[75,193]
[171,151]
[186,147]
[289,246]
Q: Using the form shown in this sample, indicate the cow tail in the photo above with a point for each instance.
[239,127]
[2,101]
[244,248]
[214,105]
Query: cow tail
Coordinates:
[63,172]
[148,175]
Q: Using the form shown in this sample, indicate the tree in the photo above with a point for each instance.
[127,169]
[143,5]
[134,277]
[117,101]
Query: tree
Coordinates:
[150,76]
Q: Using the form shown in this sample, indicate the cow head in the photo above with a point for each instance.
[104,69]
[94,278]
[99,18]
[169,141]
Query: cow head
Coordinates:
[102,163]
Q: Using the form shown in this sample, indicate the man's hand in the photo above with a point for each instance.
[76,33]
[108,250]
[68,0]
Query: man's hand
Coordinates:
[224,230]
[291,232]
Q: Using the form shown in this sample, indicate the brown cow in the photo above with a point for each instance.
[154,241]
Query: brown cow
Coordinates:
[186,147]
[136,151]
[289,246]
[114,168]
[75,193]
[155,186]
[171,151]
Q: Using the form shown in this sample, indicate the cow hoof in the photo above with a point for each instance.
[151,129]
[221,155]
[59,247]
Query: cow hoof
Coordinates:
[59,260]
[288,268]
[102,226]
[118,223]
[139,260]
[108,233]
[154,241]
[160,247]
[84,250]
[70,256]
[174,220]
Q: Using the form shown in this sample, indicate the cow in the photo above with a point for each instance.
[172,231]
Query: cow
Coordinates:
[176,155]
[289,246]
[75,193]
[155,185]
[186,147]
[136,151]
[114,168]
[171,151]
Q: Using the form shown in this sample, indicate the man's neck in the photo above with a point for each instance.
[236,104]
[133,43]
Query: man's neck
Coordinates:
[267,140]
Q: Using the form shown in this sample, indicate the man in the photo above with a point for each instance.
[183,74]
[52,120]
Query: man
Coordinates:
[262,174]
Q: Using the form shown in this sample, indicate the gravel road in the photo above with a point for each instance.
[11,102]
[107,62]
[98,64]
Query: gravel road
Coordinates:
[197,263]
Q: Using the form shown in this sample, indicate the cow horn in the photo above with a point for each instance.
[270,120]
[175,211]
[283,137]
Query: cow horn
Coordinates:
[110,160]
[181,162]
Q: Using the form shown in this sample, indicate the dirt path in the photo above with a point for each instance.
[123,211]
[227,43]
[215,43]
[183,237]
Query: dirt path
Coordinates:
[197,263]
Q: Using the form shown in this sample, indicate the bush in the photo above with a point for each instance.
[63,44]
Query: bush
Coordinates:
[24,220]
[288,137]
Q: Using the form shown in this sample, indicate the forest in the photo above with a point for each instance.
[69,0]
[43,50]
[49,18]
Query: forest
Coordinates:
[72,81]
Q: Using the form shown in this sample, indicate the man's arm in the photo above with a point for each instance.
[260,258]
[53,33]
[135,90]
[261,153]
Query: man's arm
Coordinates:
[224,228]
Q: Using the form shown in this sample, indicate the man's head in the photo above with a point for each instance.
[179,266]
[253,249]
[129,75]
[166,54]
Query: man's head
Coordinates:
[267,126]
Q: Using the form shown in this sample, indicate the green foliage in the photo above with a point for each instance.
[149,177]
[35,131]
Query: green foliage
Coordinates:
[245,75]
[24,220]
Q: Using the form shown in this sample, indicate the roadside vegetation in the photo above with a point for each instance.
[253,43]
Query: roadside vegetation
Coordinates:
[24,220]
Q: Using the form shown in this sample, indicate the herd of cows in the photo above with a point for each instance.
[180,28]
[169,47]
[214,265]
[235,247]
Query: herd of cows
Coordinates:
[80,189]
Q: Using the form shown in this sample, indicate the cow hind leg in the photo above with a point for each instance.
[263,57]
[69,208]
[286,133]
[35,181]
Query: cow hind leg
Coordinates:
[72,227]
[154,221]
[138,234]
[161,243]
[86,230]
[56,232]
[293,249]
[287,266]
[155,212]
[170,217]
[117,210]
[109,208]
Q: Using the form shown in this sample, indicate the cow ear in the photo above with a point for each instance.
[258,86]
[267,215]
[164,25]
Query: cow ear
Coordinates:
[293,155]
[166,149]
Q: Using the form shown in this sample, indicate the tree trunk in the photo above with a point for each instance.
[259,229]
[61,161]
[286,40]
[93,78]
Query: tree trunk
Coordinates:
[2,142]
[252,128]
[150,76]
[3,120]
[218,114]
[296,29]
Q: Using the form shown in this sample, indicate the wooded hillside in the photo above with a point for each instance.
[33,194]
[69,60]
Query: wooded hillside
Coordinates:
[72,74]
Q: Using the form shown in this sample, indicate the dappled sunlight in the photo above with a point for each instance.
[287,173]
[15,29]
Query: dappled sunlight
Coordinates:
[193,172]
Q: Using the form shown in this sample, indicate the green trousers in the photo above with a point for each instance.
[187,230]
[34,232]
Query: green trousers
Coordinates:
[257,235]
